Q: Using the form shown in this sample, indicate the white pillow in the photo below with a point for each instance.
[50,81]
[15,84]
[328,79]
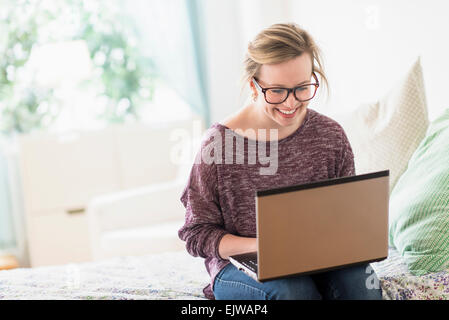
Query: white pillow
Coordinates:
[384,134]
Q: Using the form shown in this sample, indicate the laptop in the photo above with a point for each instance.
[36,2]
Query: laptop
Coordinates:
[319,226]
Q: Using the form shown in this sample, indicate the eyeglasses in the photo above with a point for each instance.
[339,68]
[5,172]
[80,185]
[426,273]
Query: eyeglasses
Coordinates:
[276,95]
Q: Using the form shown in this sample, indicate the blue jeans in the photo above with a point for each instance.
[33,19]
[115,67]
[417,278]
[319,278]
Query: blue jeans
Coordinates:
[349,283]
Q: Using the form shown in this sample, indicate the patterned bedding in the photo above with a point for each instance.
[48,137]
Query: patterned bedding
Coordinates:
[171,275]
[176,275]
[399,284]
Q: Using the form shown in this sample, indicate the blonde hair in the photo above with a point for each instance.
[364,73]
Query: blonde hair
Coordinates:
[278,43]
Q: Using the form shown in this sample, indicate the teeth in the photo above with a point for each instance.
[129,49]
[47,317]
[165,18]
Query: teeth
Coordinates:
[287,112]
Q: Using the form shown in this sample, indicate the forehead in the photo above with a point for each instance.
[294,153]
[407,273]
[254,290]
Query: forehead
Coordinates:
[288,73]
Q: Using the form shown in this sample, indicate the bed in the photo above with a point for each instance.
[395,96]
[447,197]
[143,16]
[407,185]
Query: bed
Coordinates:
[176,275]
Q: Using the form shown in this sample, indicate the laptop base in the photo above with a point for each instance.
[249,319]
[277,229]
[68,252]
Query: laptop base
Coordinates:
[247,263]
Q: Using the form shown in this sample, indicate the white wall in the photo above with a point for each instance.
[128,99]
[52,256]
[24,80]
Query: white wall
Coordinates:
[224,53]
[368,46]
[230,25]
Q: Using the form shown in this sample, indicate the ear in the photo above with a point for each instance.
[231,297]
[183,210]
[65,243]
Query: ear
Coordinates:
[252,86]
[253,89]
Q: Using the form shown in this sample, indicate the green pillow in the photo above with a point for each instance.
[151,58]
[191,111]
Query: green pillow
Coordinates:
[419,203]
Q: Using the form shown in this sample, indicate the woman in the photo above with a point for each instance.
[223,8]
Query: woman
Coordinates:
[281,69]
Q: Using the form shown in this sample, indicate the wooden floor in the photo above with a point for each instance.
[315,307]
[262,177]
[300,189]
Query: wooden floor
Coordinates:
[8,262]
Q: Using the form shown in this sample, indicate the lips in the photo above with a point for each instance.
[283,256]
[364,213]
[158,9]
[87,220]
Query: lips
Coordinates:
[287,115]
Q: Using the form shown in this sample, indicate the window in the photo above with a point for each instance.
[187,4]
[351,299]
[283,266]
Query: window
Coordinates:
[77,64]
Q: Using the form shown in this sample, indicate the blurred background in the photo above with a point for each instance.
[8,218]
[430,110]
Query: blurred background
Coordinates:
[103,102]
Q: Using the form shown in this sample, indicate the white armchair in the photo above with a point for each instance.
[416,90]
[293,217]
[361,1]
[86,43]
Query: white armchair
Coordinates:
[137,221]
[140,220]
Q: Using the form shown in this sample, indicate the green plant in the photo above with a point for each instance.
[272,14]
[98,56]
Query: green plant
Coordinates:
[21,101]
[127,76]
[123,78]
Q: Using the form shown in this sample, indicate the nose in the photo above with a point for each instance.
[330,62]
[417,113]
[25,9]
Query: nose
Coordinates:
[291,101]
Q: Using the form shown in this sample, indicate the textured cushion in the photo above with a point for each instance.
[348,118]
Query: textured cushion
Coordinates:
[384,134]
[419,203]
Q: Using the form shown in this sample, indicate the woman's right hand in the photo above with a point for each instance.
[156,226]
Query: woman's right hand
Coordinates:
[231,245]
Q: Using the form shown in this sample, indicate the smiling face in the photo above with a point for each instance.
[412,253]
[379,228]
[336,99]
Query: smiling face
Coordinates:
[288,74]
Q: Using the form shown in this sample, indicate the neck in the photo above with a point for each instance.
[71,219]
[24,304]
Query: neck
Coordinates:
[262,121]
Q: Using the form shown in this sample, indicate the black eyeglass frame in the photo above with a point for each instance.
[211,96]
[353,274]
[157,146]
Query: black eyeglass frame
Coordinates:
[264,90]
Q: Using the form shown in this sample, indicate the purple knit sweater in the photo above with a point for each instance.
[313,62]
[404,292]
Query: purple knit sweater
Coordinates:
[220,196]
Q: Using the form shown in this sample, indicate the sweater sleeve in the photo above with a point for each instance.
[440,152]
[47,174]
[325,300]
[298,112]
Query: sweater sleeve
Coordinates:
[204,224]
[346,164]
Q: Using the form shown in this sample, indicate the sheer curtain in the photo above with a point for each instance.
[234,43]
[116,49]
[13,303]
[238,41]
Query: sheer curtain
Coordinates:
[171,32]
[7,234]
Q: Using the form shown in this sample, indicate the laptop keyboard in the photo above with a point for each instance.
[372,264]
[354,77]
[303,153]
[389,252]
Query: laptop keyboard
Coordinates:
[249,261]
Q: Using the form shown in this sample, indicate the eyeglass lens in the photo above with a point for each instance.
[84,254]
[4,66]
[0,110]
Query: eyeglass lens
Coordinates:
[302,93]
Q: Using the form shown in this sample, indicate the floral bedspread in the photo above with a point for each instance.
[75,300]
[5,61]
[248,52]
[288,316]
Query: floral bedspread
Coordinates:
[177,275]
[399,284]
[171,275]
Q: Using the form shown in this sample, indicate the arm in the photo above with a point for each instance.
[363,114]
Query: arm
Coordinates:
[205,230]
[346,163]
[204,225]
[231,245]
